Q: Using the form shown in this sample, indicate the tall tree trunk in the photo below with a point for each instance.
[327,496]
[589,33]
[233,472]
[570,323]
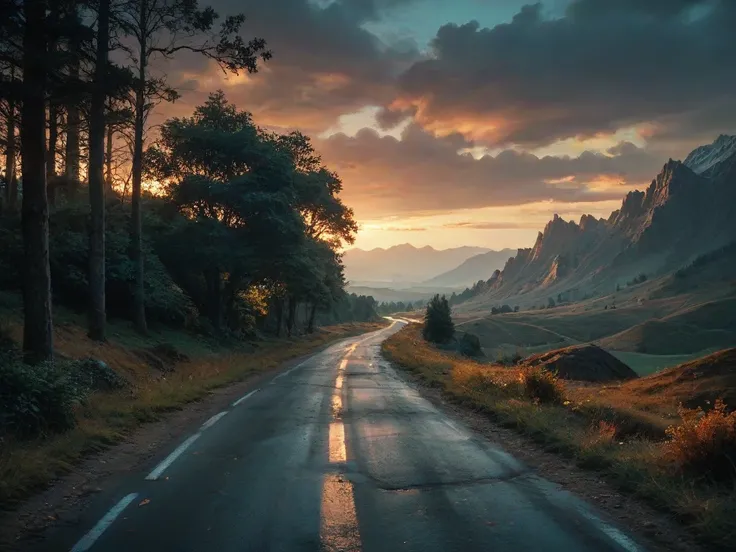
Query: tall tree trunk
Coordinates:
[53,20]
[51,152]
[11,185]
[108,158]
[37,327]
[136,224]
[279,315]
[291,315]
[72,119]
[213,281]
[97,317]
[312,316]
[233,285]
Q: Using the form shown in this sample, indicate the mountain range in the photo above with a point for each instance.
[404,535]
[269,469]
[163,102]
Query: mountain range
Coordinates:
[689,209]
[402,264]
[470,271]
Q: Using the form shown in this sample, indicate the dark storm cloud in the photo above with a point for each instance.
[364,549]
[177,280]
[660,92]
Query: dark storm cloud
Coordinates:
[603,66]
[324,64]
[421,173]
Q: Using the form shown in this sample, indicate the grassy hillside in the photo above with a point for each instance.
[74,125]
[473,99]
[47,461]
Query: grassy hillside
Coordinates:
[620,430]
[647,334]
[165,370]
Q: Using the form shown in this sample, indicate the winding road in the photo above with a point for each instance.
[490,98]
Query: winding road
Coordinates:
[339,453]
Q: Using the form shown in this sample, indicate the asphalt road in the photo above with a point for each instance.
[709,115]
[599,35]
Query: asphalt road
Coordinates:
[339,454]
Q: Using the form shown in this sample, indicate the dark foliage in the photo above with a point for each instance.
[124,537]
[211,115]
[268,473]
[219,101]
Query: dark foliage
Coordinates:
[438,325]
[36,401]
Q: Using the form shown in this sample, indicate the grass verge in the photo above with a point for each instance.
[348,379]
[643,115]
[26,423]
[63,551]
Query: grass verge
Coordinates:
[611,437]
[106,418]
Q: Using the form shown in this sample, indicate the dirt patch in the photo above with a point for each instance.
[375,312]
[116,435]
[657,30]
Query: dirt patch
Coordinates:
[584,363]
[656,530]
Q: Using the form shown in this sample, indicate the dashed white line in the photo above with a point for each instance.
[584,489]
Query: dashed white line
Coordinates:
[213,420]
[158,470]
[86,542]
[244,397]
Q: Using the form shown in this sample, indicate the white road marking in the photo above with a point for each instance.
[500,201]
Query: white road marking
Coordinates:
[241,399]
[158,470]
[213,420]
[617,536]
[86,542]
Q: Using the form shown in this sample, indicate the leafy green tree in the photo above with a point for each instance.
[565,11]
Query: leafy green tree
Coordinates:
[438,325]
[161,28]
[235,189]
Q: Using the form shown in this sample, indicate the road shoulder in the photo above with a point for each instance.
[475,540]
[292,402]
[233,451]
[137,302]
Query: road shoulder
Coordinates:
[655,529]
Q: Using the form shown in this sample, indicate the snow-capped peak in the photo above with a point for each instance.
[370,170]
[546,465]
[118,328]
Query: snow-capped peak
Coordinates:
[703,158]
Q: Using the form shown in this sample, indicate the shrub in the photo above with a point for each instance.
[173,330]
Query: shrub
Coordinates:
[438,325]
[469,345]
[510,360]
[541,385]
[90,374]
[705,442]
[36,400]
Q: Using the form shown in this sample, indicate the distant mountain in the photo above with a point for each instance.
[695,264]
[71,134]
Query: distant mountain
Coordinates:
[688,210]
[402,263]
[478,267]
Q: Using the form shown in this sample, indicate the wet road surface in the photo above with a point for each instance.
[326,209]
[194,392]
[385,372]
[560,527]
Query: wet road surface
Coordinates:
[339,454]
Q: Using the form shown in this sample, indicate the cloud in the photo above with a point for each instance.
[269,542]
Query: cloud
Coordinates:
[604,65]
[402,229]
[421,173]
[325,64]
[502,225]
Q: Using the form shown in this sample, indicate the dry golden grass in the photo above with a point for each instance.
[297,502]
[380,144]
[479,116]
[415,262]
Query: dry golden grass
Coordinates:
[106,418]
[612,429]
[705,442]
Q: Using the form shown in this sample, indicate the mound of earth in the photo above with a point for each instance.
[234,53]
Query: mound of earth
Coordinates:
[696,383]
[583,363]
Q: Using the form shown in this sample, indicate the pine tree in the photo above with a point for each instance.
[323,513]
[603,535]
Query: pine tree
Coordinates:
[438,325]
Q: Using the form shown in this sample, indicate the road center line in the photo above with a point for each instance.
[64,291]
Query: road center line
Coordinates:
[213,420]
[244,397]
[86,542]
[158,470]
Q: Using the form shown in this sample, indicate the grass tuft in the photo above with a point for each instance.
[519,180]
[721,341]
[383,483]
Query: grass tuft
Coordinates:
[542,385]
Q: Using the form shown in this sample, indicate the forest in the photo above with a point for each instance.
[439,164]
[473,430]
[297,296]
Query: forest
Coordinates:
[207,222]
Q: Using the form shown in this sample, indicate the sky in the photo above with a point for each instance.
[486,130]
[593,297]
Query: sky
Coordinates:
[471,122]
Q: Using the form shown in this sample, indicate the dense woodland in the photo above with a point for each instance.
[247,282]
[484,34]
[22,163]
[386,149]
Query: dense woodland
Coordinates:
[209,222]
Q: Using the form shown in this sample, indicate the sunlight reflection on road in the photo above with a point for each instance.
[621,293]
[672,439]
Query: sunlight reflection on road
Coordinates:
[339,525]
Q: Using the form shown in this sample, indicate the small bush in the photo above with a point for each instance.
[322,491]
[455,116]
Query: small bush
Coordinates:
[90,374]
[705,442]
[36,400]
[541,385]
[510,360]
[469,345]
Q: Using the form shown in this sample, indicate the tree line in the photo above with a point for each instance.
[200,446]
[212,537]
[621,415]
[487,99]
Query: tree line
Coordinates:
[242,228]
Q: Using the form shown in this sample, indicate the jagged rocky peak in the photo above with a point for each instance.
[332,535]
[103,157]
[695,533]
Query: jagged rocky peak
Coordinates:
[557,234]
[589,222]
[704,158]
[675,178]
